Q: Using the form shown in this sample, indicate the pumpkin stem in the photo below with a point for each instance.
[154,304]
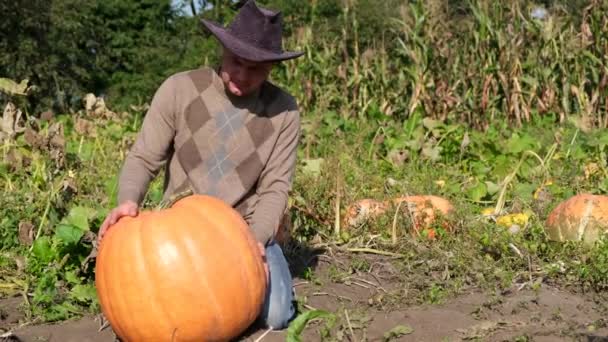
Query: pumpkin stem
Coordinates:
[169,202]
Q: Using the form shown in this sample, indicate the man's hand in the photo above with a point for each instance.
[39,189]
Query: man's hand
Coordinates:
[263,251]
[129,208]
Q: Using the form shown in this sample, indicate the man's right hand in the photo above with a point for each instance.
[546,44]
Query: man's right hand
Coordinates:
[128,208]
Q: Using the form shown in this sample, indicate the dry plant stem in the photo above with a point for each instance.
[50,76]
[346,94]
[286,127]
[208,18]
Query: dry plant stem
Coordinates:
[309,307]
[332,295]
[174,199]
[410,213]
[501,197]
[373,144]
[375,251]
[365,281]
[104,323]
[516,250]
[7,335]
[311,214]
[572,143]
[350,327]
[337,208]
[394,227]
[264,334]
[530,268]
[44,215]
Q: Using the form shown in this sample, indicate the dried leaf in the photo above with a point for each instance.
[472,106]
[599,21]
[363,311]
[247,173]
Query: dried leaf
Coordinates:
[90,100]
[465,141]
[398,331]
[431,124]
[47,115]
[33,139]
[432,152]
[13,88]
[398,157]
[26,233]
[85,127]
[16,160]
[485,329]
[20,262]
[10,121]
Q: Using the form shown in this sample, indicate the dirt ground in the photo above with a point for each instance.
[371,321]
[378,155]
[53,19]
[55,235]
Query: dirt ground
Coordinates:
[546,313]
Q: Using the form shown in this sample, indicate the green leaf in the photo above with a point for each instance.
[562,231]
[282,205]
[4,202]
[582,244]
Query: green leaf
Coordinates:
[431,124]
[525,191]
[84,293]
[432,152]
[72,278]
[43,250]
[80,216]
[68,234]
[299,323]
[600,140]
[477,192]
[517,144]
[313,166]
[410,124]
[398,331]
[413,145]
[492,187]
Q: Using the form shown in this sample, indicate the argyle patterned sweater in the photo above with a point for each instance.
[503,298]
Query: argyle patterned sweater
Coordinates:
[239,149]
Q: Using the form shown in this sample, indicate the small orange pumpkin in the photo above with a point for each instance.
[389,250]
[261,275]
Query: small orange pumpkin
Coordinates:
[362,210]
[582,217]
[191,272]
[423,209]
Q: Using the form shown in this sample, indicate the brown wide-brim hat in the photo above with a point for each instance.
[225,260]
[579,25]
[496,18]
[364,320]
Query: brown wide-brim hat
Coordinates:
[255,34]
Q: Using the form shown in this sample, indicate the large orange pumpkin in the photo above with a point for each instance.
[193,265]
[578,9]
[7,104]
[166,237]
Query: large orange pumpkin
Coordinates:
[582,217]
[191,272]
[423,209]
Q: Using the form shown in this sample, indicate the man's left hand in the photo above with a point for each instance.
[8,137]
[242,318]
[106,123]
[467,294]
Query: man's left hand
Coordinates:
[263,251]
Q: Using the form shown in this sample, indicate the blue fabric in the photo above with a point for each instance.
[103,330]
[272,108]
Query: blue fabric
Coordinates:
[278,307]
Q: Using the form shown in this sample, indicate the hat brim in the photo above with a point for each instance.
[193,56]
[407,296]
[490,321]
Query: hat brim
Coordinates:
[245,50]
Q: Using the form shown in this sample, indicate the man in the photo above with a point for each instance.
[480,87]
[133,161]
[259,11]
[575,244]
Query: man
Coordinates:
[230,133]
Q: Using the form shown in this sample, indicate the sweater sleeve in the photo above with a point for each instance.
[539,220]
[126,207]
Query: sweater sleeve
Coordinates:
[276,181]
[150,149]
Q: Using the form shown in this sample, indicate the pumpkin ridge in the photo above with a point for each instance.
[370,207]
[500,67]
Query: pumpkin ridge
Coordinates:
[245,271]
[115,255]
[120,272]
[102,280]
[250,252]
[149,277]
[584,222]
[138,271]
[189,206]
[198,268]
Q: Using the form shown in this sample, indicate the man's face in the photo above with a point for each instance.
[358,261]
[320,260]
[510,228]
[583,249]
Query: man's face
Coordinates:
[242,77]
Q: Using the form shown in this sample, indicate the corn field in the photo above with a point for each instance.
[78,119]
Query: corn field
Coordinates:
[473,62]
